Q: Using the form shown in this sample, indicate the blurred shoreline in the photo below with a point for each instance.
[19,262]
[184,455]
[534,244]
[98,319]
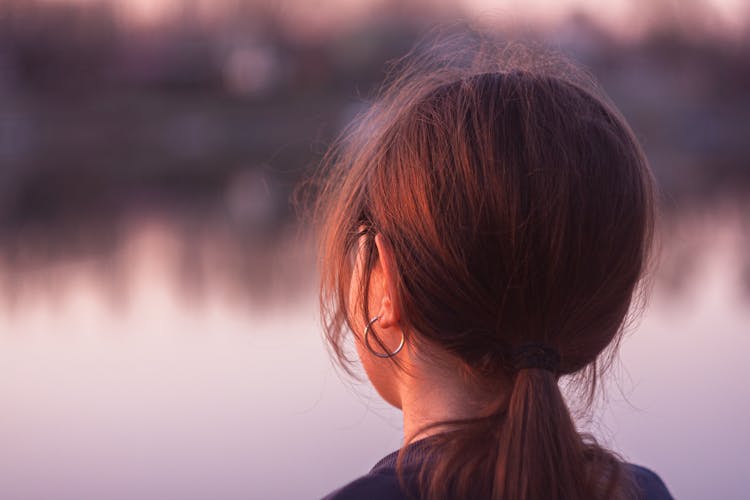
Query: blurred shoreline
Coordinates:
[195,262]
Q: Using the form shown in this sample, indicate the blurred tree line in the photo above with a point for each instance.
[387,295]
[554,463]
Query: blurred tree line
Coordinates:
[100,118]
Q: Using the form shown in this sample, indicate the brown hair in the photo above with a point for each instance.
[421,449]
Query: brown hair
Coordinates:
[519,208]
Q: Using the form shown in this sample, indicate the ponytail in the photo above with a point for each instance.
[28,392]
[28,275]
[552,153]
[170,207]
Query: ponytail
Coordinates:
[540,453]
[529,449]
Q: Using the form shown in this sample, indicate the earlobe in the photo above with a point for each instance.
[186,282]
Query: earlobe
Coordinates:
[388,354]
[387,314]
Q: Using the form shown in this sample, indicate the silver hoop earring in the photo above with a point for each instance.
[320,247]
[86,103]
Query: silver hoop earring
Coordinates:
[381,354]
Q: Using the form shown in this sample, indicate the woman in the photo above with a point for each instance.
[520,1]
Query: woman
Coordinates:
[485,232]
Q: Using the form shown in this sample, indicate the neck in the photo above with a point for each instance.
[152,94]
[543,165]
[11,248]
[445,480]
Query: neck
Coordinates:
[433,394]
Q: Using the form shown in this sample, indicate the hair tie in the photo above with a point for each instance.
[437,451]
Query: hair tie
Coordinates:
[535,356]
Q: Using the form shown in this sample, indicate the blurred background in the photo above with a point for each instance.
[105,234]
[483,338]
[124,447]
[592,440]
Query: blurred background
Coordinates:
[159,335]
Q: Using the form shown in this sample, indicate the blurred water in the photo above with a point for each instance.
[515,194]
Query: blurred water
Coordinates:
[116,383]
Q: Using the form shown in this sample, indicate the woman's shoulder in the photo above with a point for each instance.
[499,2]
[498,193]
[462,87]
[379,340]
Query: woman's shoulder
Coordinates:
[382,482]
[649,483]
[371,486]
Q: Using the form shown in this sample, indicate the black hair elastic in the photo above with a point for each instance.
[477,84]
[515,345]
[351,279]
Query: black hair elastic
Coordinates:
[533,355]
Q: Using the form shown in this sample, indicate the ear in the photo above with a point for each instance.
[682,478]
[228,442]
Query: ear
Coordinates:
[389,312]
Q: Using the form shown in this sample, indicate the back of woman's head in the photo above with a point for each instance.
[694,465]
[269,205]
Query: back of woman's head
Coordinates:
[518,207]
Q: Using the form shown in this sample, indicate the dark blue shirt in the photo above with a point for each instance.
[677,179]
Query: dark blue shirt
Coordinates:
[381,483]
